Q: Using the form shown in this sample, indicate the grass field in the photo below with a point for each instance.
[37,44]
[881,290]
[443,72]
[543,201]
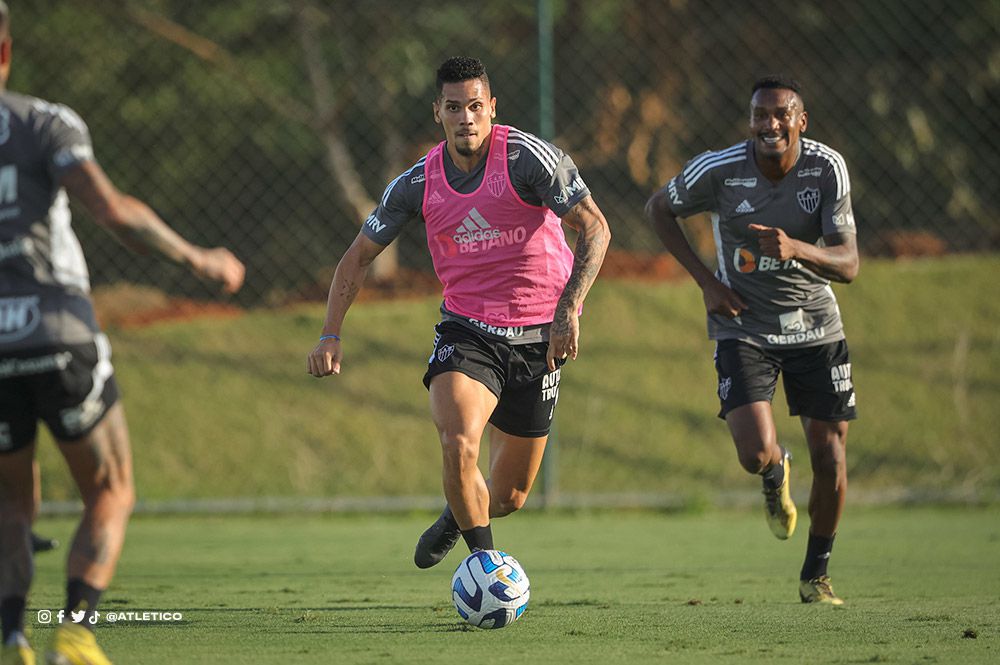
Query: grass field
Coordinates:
[607,587]
[225,408]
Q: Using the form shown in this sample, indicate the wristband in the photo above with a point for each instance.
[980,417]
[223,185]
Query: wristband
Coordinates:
[323,338]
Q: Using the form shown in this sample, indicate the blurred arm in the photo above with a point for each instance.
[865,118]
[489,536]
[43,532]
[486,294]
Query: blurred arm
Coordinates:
[135,225]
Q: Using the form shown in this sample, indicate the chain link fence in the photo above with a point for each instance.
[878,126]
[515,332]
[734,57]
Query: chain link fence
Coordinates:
[272,127]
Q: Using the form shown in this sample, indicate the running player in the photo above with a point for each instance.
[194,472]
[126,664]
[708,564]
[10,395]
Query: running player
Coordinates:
[490,198]
[55,365]
[781,214]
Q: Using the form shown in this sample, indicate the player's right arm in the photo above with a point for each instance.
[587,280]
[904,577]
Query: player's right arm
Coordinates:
[140,229]
[719,298]
[400,203]
[347,280]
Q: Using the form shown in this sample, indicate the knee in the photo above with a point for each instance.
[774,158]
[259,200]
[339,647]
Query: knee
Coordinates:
[754,458]
[508,503]
[459,449]
[117,499]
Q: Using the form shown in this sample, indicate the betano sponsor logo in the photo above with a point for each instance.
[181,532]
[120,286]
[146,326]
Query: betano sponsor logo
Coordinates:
[746,262]
[810,173]
[740,182]
[475,234]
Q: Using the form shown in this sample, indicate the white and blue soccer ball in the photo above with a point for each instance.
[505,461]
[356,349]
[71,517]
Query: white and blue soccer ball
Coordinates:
[490,589]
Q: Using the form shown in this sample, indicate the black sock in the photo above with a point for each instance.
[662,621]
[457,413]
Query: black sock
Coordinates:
[478,538]
[774,475]
[82,596]
[448,518]
[12,615]
[817,557]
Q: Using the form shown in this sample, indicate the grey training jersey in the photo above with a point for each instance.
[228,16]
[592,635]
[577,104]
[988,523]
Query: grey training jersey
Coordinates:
[789,305]
[44,282]
[541,174]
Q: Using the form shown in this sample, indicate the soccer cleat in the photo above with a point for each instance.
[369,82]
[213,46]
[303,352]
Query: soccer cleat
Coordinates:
[74,645]
[436,542]
[42,544]
[778,505]
[17,654]
[818,590]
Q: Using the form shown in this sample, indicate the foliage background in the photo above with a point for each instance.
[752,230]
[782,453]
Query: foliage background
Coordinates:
[272,127]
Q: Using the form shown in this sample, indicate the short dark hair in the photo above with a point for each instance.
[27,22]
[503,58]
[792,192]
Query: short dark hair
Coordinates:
[461,68]
[779,82]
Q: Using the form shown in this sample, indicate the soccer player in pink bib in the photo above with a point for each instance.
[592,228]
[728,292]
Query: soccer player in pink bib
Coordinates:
[492,200]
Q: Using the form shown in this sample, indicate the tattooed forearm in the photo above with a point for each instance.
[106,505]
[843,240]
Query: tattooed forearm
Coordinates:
[348,290]
[591,246]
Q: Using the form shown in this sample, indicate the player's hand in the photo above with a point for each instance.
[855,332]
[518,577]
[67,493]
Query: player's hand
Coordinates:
[564,338]
[774,242]
[720,299]
[219,265]
[325,359]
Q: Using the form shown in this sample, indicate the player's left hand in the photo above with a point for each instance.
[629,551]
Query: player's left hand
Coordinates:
[774,242]
[564,338]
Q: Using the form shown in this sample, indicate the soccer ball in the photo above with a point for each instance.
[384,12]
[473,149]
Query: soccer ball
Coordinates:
[490,589]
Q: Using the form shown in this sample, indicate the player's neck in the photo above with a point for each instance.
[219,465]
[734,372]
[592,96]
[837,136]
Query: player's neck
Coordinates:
[774,169]
[468,163]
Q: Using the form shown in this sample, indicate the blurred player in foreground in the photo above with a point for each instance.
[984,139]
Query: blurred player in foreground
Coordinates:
[783,225]
[55,364]
[490,198]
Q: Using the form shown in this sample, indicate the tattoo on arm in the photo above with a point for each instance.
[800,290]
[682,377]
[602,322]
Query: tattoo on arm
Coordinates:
[348,290]
[591,245]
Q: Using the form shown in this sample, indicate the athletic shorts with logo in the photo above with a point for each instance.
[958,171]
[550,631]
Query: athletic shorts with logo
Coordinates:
[516,373]
[70,387]
[817,379]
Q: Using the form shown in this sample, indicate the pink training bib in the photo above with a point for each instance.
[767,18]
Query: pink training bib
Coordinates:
[500,260]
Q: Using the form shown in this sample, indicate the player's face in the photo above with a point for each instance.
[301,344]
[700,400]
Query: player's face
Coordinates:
[776,120]
[466,111]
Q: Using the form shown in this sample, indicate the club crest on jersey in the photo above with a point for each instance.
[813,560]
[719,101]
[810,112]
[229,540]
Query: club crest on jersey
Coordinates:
[808,199]
[445,352]
[496,183]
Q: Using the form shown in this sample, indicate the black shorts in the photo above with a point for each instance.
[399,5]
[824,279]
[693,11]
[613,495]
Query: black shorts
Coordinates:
[817,379]
[68,386]
[516,373]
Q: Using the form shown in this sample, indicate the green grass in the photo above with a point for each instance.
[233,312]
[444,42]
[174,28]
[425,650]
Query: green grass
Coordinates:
[607,587]
[225,407]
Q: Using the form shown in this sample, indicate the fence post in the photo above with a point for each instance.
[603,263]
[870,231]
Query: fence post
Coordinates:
[546,130]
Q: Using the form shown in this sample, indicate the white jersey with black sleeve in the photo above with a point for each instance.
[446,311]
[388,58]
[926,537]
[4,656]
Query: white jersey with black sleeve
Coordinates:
[44,282]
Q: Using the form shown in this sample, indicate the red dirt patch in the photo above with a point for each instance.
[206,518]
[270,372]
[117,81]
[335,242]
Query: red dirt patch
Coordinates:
[134,306]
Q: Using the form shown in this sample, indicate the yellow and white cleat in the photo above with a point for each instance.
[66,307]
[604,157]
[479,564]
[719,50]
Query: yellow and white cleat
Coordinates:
[818,590]
[778,505]
[74,645]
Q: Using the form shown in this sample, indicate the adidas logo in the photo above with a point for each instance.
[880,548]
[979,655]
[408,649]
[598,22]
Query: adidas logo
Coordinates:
[473,222]
[435,198]
[744,208]
[474,228]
